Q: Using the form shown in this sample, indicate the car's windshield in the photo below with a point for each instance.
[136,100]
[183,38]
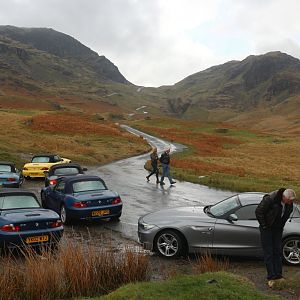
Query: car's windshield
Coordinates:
[5,168]
[225,206]
[18,201]
[92,185]
[66,171]
[296,212]
[40,159]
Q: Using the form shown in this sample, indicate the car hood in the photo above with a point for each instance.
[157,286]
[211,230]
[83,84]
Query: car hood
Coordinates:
[93,195]
[23,215]
[175,214]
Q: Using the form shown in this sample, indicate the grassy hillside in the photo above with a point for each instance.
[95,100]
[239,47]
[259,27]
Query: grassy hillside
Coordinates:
[229,157]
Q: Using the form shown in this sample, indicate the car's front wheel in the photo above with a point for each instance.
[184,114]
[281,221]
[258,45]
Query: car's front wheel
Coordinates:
[169,243]
[291,251]
[63,215]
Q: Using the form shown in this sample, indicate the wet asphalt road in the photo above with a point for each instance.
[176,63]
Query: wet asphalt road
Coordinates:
[128,178]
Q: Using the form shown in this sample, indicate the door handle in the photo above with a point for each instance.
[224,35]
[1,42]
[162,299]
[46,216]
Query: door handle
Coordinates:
[210,229]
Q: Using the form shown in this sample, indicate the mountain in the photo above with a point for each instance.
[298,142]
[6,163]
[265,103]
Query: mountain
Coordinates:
[60,46]
[59,71]
[233,91]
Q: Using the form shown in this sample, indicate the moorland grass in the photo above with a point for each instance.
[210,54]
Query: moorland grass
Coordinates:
[226,157]
[76,270]
[219,285]
[75,136]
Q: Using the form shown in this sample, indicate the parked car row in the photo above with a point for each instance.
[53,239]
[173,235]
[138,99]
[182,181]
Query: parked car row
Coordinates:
[68,195]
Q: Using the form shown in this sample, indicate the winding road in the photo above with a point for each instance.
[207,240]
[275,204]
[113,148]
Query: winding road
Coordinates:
[128,178]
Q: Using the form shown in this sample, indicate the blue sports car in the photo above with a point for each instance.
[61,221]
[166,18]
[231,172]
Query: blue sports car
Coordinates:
[23,221]
[10,176]
[82,197]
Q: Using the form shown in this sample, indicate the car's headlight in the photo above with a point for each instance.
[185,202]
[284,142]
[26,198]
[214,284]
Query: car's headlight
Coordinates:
[146,226]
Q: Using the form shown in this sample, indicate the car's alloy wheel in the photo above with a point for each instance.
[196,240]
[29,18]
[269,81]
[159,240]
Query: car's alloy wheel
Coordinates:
[291,250]
[169,244]
[63,214]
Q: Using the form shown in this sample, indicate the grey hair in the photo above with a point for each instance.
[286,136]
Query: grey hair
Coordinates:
[289,194]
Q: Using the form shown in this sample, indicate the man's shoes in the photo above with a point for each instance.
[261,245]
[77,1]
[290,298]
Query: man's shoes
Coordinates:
[147,178]
[280,280]
[162,183]
[271,283]
[172,182]
[157,181]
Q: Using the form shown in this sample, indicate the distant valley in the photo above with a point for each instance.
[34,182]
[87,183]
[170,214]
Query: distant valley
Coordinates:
[47,70]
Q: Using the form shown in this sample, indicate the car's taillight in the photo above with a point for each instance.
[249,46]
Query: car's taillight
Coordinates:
[117,200]
[57,223]
[79,204]
[25,169]
[11,179]
[10,228]
[53,182]
[45,169]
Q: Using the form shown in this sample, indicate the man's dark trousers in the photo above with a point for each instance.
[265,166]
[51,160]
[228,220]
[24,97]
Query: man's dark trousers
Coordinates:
[271,240]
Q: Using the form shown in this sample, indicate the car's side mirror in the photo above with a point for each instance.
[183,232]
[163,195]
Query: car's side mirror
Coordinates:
[46,173]
[84,169]
[232,217]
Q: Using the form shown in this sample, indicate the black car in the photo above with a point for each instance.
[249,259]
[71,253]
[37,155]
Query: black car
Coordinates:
[62,170]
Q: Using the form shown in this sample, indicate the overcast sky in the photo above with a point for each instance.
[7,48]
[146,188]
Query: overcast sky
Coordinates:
[159,42]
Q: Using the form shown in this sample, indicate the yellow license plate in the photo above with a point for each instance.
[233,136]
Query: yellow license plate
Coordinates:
[99,213]
[37,239]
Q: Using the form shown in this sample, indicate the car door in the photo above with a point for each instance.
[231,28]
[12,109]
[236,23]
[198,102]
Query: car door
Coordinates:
[56,196]
[240,237]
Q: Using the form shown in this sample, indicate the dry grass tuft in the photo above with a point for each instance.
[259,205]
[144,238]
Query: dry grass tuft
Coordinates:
[74,271]
[207,263]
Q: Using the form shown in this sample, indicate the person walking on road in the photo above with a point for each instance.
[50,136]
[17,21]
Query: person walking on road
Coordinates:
[165,163]
[272,214]
[154,164]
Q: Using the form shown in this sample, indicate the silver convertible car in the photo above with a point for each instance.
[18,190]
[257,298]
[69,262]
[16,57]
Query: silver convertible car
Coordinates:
[226,228]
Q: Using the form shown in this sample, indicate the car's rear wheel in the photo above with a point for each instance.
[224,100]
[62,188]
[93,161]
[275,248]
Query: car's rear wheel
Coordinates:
[63,215]
[169,243]
[291,251]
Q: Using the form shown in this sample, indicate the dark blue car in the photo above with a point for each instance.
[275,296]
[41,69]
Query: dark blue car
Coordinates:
[23,221]
[10,176]
[82,197]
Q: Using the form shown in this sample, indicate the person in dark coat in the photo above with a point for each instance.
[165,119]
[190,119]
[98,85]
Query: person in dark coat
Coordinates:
[165,163]
[272,214]
[154,164]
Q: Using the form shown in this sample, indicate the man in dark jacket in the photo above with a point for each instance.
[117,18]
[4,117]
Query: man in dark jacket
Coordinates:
[165,163]
[272,214]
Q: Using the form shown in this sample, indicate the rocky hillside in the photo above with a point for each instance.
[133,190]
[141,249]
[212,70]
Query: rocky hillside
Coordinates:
[28,43]
[41,68]
[237,87]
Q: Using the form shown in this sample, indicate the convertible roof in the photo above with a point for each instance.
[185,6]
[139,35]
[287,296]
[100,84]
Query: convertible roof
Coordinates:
[82,177]
[250,197]
[9,163]
[69,165]
[16,191]
[45,154]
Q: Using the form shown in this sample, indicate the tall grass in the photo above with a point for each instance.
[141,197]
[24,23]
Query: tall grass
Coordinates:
[74,271]
[208,263]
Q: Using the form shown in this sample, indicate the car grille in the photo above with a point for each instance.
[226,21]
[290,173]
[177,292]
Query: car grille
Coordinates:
[100,202]
[35,225]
